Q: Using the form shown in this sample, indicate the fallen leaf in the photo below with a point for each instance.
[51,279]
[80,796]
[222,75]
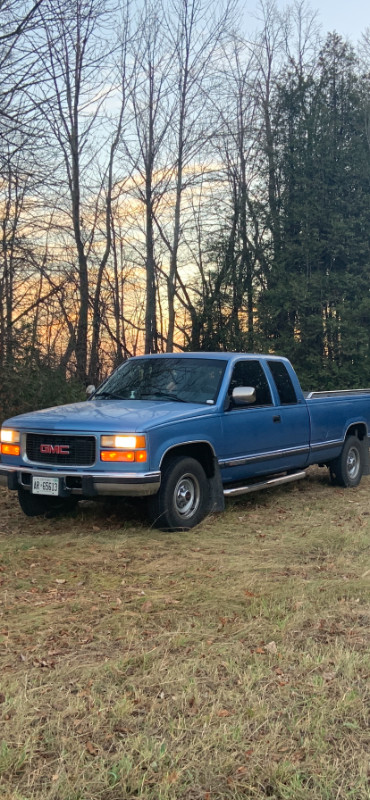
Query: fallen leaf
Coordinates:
[40,662]
[299,755]
[91,748]
[224,713]
[60,580]
[172,777]
[248,593]
[147,606]
[271,648]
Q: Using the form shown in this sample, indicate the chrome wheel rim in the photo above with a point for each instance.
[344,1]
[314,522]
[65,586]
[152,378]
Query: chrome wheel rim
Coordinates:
[353,463]
[187,496]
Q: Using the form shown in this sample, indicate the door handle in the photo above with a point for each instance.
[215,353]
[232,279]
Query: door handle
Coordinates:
[277,418]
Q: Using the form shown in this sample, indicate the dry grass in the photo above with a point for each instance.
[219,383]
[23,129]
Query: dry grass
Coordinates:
[228,662]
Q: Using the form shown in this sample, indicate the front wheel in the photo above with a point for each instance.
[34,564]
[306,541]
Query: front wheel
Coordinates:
[183,498]
[347,469]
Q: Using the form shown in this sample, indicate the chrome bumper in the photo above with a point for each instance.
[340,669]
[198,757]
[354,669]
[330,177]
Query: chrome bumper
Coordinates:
[129,484]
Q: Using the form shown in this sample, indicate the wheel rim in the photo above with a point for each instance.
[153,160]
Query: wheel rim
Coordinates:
[187,496]
[353,463]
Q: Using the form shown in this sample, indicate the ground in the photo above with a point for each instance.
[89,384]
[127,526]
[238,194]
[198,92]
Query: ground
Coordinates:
[229,662]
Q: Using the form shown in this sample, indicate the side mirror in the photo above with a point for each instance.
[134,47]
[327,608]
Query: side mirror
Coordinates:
[90,390]
[243,395]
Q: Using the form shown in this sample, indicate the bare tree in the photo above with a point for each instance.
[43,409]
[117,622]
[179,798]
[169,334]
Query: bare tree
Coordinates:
[80,78]
[19,69]
[195,33]
[152,118]
[153,114]
[236,142]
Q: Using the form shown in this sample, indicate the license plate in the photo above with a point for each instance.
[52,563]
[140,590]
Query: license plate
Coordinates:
[49,486]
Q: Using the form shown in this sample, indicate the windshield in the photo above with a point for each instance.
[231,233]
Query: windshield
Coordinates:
[183,380]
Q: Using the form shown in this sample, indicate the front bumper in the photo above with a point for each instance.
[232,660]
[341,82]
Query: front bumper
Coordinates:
[129,484]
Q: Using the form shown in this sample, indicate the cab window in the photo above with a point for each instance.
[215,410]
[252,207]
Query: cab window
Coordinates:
[250,373]
[283,383]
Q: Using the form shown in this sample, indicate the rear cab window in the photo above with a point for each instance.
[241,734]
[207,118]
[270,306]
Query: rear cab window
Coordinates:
[283,383]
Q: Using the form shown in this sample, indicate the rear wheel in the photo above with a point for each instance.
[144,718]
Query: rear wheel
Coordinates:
[183,498]
[347,469]
[37,506]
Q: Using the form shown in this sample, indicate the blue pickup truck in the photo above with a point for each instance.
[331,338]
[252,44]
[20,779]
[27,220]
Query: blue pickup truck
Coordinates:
[184,431]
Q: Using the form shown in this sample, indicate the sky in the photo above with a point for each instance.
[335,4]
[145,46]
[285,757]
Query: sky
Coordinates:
[347,18]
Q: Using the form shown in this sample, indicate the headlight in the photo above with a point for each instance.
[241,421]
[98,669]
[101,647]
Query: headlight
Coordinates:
[9,436]
[9,442]
[124,441]
[125,447]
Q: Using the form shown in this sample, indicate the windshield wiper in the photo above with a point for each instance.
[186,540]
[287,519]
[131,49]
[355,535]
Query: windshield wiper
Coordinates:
[108,396]
[165,395]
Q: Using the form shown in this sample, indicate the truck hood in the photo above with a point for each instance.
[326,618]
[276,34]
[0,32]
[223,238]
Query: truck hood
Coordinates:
[108,416]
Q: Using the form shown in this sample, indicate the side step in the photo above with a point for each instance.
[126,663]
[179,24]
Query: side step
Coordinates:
[255,487]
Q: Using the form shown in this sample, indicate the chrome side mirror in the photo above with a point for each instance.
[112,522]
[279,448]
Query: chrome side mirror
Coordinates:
[243,395]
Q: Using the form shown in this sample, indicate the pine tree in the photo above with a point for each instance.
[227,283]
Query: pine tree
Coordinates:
[316,307]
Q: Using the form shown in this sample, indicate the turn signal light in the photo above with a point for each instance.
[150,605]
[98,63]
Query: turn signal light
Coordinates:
[10,449]
[116,455]
[127,455]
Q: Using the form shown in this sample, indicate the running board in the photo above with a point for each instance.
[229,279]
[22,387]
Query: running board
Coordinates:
[255,487]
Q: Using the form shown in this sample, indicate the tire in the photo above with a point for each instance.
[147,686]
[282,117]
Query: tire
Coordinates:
[183,498]
[37,506]
[347,469]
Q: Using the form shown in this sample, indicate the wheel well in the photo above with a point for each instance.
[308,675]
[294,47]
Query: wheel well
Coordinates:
[201,451]
[358,429]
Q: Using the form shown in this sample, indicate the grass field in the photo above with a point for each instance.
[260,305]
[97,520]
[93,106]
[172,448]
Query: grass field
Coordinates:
[228,662]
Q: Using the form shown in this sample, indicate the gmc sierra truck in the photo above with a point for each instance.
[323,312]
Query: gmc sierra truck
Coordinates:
[185,431]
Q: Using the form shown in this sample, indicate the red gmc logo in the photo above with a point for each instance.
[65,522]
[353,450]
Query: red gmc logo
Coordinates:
[57,449]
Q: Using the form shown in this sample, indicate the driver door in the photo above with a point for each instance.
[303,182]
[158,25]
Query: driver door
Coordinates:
[254,439]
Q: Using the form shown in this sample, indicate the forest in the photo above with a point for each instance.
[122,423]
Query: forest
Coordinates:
[179,175]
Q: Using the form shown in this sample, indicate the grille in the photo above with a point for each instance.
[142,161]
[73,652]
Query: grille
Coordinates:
[81,450]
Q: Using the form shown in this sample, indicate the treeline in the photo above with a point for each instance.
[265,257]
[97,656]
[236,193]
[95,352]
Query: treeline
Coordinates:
[177,175]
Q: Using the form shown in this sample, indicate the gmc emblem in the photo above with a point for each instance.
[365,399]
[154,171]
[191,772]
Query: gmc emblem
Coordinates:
[55,449]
